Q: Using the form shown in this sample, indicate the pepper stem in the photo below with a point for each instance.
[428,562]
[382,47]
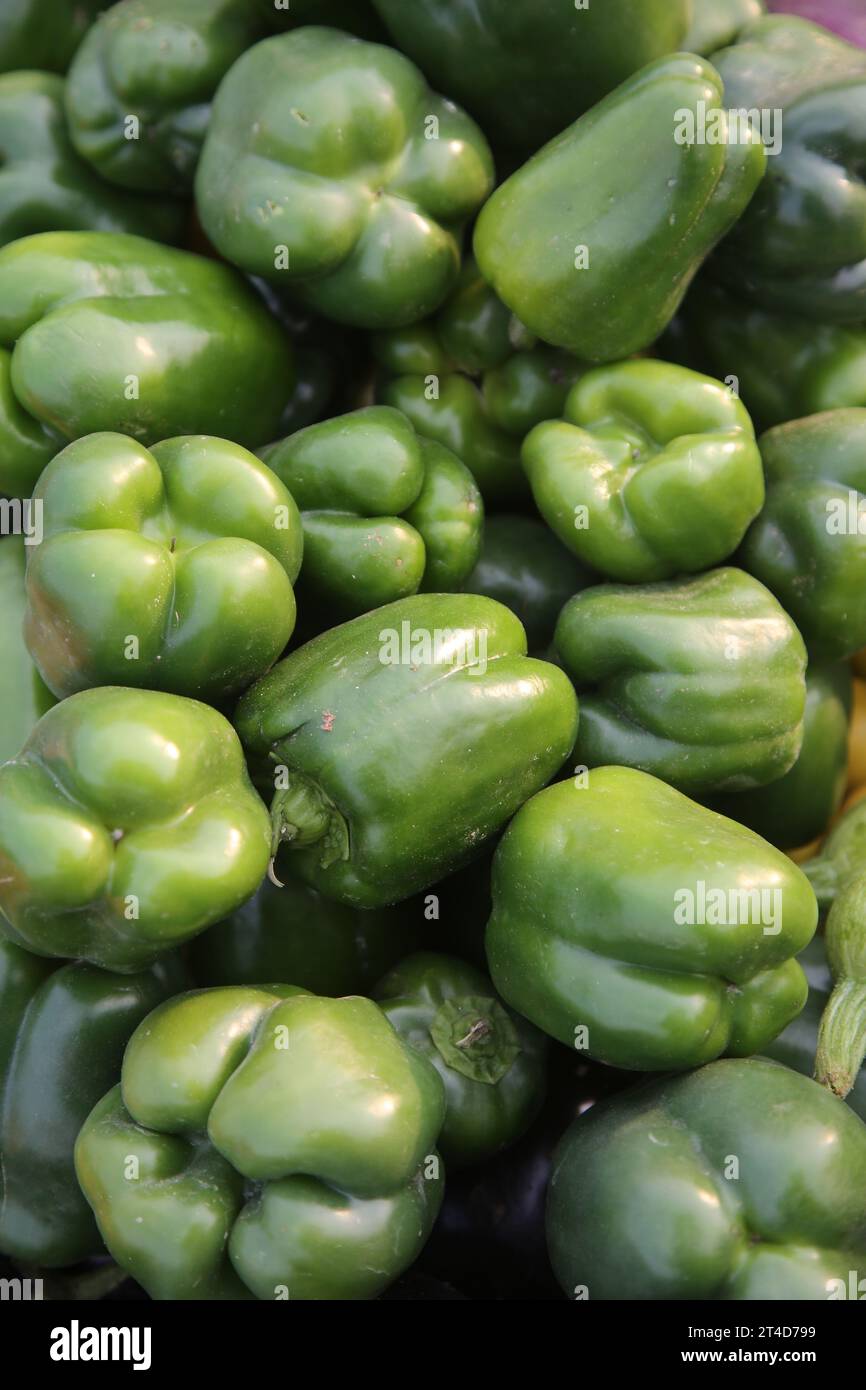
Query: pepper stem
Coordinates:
[302,815]
[476,1037]
[842,1034]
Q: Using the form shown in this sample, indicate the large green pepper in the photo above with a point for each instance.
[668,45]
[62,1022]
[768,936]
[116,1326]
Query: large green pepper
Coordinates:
[796,808]
[67,1028]
[801,245]
[170,569]
[524,566]
[293,933]
[796,1047]
[653,471]
[809,543]
[593,243]
[45,187]
[24,697]
[474,379]
[741,1181]
[718,22]
[112,332]
[329,166]
[140,88]
[385,513]
[265,1143]
[127,825]
[43,34]
[403,740]
[526,70]
[699,681]
[491,1061]
[643,929]
[782,365]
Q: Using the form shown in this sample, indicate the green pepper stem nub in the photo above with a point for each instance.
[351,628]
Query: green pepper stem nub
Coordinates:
[302,814]
[475,1037]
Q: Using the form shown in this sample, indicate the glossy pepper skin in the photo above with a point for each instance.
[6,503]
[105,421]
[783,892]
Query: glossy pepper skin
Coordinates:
[698,681]
[404,739]
[593,243]
[783,366]
[792,1226]
[385,513]
[643,929]
[652,471]
[524,566]
[127,824]
[24,697]
[491,1061]
[322,171]
[189,550]
[525,72]
[718,22]
[809,543]
[475,380]
[65,1030]
[43,34]
[795,808]
[46,187]
[285,1145]
[113,332]
[160,63]
[293,933]
[796,1047]
[801,245]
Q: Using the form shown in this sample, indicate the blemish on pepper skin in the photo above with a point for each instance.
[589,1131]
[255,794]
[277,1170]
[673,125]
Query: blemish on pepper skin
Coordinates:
[327,722]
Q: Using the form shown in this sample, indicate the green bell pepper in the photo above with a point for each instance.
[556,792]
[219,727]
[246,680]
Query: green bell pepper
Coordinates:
[475,380]
[524,566]
[491,1061]
[742,1181]
[797,807]
[593,243]
[841,857]
[809,543]
[796,1047]
[525,70]
[65,1030]
[140,88]
[265,1143]
[170,569]
[698,681]
[782,365]
[45,187]
[653,471]
[403,740]
[43,34]
[24,697]
[127,825]
[718,22]
[385,513]
[112,332]
[293,933]
[329,166]
[801,245]
[642,929]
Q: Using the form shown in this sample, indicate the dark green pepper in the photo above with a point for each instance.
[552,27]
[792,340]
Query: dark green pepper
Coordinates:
[642,929]
[801,244]
[127,825]
[385,513]
[593,243]
[698,681]
[265,1143]
[523,565]
[809,543]
[741,1181]
[24,697]
[475,380]
[46,187]
[43,34]
[403,740]
[170,569]
[330,167]
[112,332]
[653,471]
[64,1031]
[491,1061]
[796,808]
